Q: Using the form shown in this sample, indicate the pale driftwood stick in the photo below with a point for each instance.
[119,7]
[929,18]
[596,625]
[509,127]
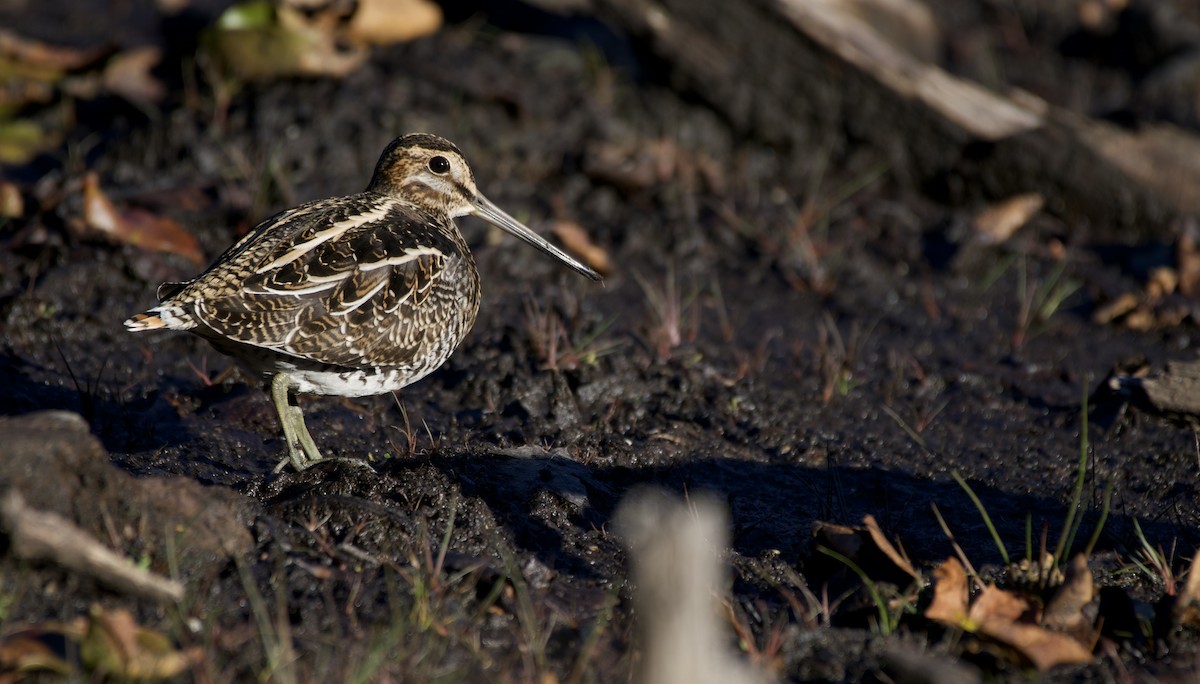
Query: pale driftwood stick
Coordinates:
[835,26]
[40,536]
[765,65]
[1175,392]
[1163,159]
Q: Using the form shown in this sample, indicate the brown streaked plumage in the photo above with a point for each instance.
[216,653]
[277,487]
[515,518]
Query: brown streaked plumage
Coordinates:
[349,296]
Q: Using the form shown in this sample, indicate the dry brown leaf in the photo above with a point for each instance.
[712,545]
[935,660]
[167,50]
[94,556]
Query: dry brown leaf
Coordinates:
[12,205]
[869,549]
[98,210]
[326,57]
[949,605]
[128,75]
[22,139]
[170,7]
[999,221]
[1064,610]
[157,233]
[36,649]
[997,615]
[115,644]
[1099,15]
[996,605]
[1162,282]
[1158,305]
[382,22]
[1187,256]
[258,41]
[37,53]
[1043,648]
[136,227]
[1121,306]
[1141,319]
[840,538]
[627,166]
[1187,606]
[21,85]
[881,541]
[576,240]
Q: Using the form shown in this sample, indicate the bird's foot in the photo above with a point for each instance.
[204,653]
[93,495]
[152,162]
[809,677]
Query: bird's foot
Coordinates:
[302,450]
[303,462]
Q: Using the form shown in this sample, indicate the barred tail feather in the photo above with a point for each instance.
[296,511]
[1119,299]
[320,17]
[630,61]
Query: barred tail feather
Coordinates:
[165,317]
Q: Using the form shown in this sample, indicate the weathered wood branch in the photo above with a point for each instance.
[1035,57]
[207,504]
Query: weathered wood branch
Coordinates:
[40,536]
[817,76]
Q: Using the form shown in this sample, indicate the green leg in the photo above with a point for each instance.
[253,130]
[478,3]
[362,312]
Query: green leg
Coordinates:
[302,450]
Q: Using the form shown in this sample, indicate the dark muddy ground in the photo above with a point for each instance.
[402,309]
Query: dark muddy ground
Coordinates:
[800,374]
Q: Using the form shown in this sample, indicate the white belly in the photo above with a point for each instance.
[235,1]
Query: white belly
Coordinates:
[358,383]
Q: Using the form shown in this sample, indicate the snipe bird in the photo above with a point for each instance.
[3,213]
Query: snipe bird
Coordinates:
[350,296]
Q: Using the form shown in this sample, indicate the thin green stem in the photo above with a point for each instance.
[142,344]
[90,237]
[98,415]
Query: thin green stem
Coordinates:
[987,519]
[1071,524]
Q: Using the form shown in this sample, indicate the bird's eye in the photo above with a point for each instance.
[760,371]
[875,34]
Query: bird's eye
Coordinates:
[439,165]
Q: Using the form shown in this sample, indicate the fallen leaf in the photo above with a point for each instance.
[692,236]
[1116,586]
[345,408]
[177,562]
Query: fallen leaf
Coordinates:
[841,538]
[171,6]
[98,210]
[12,205]
[115,644]
[21,141]
[42,648]
[1121,306]
[868,549]
[881,541]
[258,40]
[949,605]
[128,74]
[158,233]
[1100,16]
[22,85]
[382,22]
[627,166]
[1141,319]
[576,239]
[136,227]
[1162,282]
[1043,648]
[998,615]
[994,605]
[1064,610]
[1187,259]
[34,52]
[999,221]
[1187,605]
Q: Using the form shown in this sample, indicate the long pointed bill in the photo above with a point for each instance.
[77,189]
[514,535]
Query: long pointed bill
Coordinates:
[491,213]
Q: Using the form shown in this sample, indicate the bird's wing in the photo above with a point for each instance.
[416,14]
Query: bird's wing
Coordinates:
[343,283]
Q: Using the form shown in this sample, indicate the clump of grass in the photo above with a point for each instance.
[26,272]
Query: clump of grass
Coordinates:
[1038,299]
[837,355]
[1155,563]
[555,347]
[673,315]
[274,631]
[802,251]
[888,610]
[1045,565]
[409,436]
[766,653]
